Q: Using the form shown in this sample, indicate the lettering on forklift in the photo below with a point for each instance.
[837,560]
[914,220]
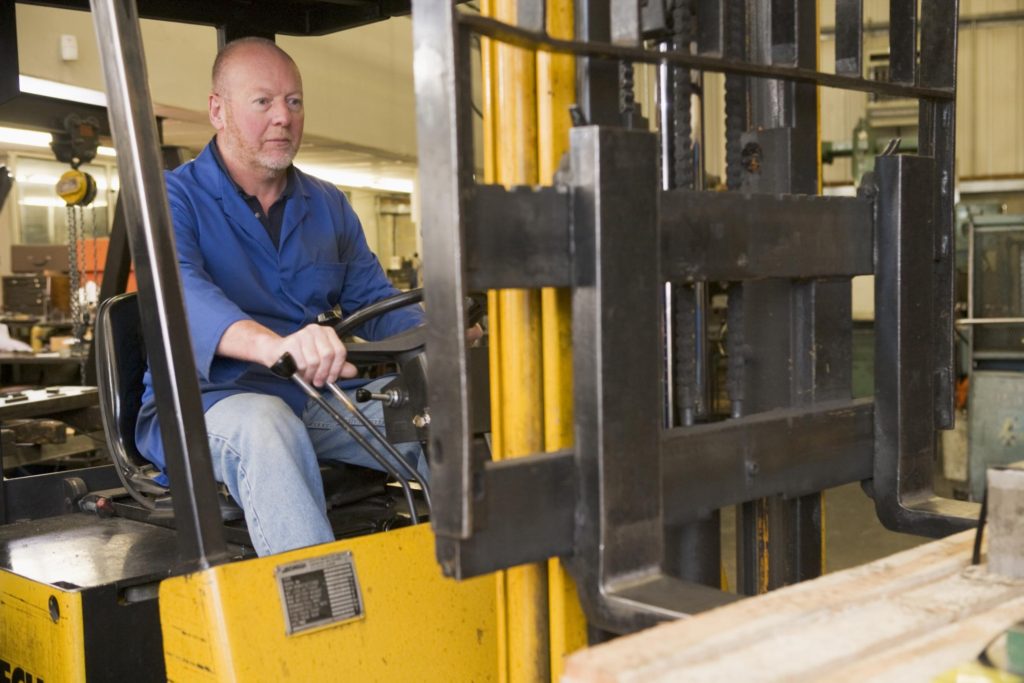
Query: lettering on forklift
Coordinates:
[319,591]
[15,674]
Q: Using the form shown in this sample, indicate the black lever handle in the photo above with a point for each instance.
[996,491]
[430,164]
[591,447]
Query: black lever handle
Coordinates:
[285,366]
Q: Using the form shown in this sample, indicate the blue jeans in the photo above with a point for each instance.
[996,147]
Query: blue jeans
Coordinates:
[270,461]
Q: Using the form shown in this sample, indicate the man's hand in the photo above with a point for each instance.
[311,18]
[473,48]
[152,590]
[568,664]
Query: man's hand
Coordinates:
[474,334]
[318,353]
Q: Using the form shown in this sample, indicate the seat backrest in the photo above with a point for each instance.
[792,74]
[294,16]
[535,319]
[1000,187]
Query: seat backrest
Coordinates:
[121,364]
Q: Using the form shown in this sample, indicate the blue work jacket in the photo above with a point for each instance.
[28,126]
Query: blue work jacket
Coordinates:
[231,271]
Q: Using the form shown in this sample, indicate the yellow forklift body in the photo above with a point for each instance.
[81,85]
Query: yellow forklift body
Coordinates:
[41,633]
[228,623]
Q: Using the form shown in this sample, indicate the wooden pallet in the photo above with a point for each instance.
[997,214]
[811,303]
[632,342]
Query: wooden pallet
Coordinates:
[907,617]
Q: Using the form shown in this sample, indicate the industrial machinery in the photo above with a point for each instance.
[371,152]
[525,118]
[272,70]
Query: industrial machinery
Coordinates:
[625,242]
[991,342]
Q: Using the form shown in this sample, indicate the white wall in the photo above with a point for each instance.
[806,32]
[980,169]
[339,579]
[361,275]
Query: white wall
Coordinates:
[364,203]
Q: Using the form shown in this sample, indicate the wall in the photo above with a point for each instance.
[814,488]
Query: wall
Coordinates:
[364,203]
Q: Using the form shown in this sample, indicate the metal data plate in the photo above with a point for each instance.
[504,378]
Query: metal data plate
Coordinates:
[319,591]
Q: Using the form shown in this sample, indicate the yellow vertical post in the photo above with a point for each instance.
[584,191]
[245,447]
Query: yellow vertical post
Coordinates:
[510,125]
[556,90]
[494,319]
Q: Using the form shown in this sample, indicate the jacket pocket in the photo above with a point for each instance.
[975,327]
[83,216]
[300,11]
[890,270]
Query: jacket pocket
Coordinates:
[325,282]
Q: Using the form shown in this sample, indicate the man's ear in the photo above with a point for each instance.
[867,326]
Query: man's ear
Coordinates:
[216,110]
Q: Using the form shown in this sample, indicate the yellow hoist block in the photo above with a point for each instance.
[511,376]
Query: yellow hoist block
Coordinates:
[76,188]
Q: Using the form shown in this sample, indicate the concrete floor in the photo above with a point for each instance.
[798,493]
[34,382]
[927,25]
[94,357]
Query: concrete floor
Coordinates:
[853,534]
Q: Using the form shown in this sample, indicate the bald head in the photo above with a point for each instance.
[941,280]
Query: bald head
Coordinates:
[255,105]
[238,49]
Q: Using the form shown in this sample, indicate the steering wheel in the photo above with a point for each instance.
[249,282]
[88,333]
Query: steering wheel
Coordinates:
[408,341]
[378,308]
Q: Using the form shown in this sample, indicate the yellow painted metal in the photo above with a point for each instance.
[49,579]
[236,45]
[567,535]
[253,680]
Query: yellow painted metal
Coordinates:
[566,620]
[487,96]
[556,90]
[31,642]
[227,623]
[763,545]
[510,158]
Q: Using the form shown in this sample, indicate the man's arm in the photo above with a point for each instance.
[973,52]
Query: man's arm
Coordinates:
[319,354]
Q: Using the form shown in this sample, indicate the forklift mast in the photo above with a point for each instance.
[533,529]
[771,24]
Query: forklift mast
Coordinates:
[638,247]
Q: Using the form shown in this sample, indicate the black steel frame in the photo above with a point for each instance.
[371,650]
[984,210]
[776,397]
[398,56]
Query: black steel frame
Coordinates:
[611,235]
[259,17]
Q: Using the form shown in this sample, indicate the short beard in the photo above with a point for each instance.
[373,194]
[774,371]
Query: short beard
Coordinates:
[275,164]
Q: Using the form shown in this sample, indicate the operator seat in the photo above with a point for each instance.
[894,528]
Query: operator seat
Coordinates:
[121,364]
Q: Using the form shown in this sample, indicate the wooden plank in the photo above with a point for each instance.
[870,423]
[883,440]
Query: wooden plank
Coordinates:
[892,619]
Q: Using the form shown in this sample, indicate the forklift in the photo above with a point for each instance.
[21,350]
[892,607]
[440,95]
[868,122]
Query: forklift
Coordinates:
[596,511]
[88,554]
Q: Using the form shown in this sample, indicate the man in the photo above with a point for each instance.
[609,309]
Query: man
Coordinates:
[263,249]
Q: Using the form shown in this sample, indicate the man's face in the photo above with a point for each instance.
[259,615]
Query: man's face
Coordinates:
[257,110]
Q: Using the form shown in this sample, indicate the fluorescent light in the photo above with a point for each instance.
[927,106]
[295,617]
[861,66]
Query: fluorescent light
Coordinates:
[61,91]
[347,178]
[35,138]
[29,138]
[55,202]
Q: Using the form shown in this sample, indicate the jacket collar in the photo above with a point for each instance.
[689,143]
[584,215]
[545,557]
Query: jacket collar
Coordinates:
[210,174]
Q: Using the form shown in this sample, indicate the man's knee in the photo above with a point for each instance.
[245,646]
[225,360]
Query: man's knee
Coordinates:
[256,421]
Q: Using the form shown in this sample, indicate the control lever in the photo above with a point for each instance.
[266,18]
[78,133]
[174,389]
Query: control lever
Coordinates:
[370,427]
[392,398]
[285,367]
